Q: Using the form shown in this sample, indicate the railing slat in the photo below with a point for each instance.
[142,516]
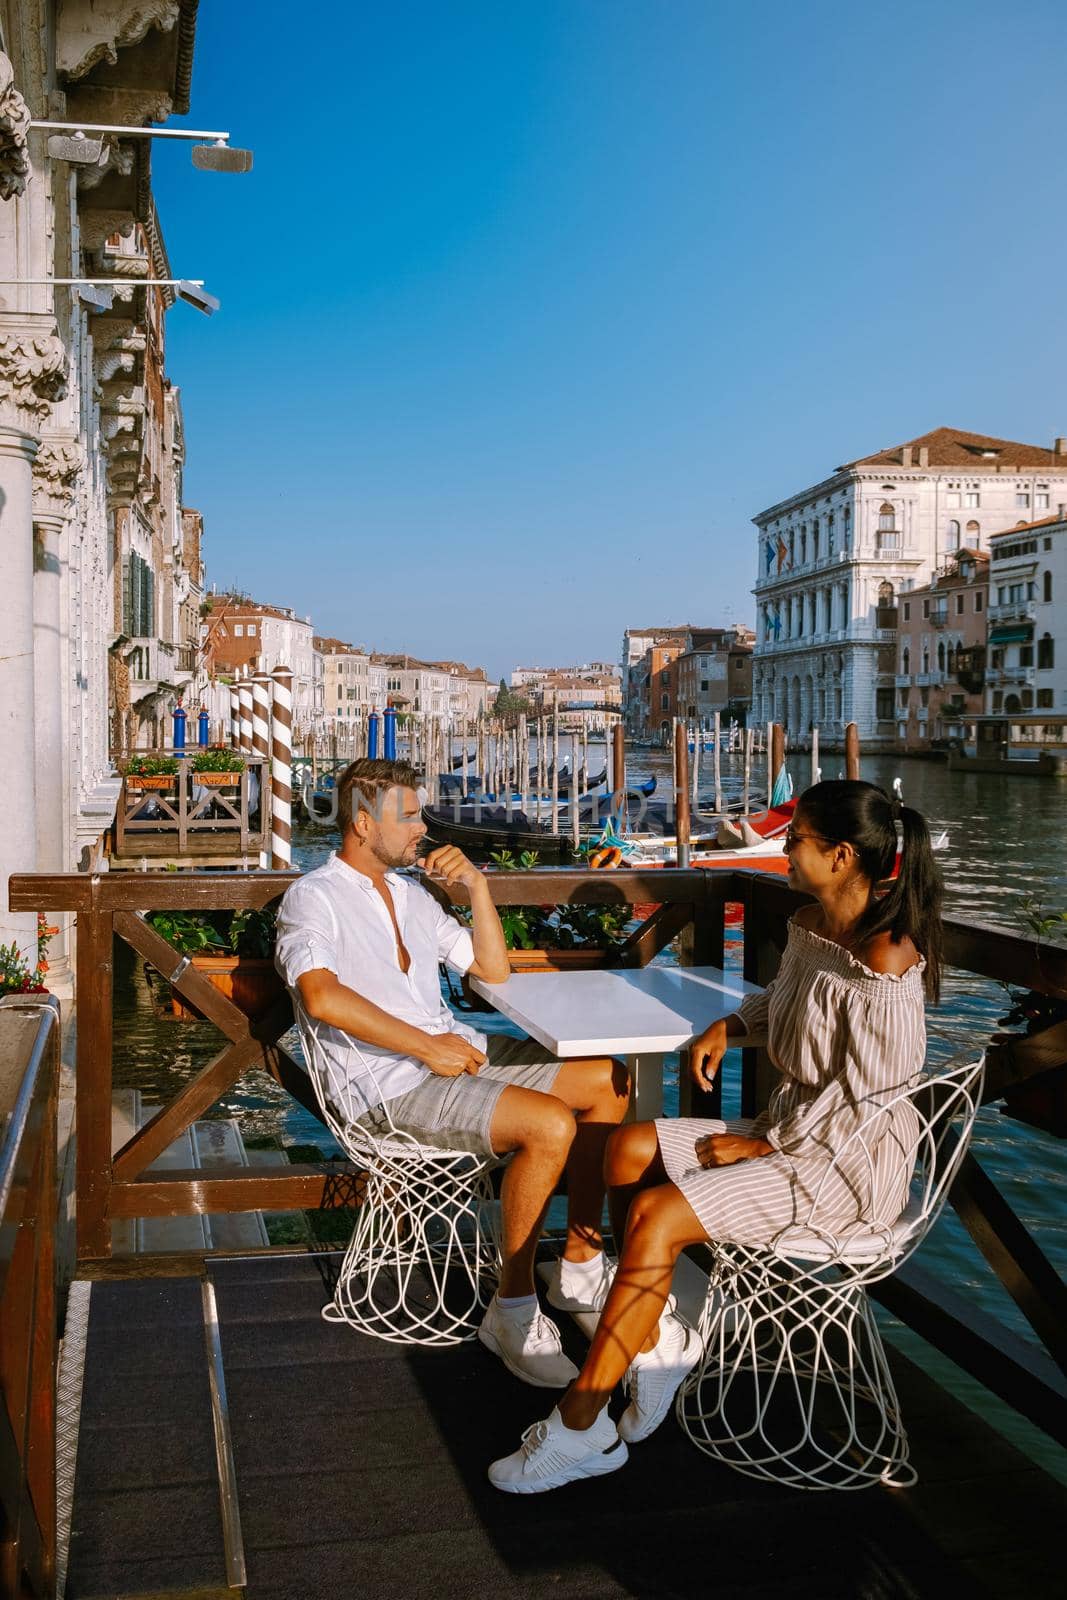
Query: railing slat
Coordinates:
[199,1191]
[93,1089]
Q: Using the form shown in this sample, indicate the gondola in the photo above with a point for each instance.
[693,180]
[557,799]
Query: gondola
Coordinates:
[478,830]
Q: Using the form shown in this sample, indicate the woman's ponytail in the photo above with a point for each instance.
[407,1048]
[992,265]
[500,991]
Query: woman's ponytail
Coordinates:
[911,905]
[907,906]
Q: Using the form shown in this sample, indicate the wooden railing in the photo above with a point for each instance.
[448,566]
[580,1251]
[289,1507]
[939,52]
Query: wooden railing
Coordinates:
[29,1084]
[689,907]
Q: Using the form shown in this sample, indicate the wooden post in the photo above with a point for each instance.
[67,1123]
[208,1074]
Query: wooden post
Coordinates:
[235,718]
[815,754]
[768,750]
[681,791]
[777,753]
[523,762]
[717,767]
[281,770]
[698,740]
[554,790]
[576,836]
[93,1081]
[618,764]
[852,751]
[748,736]
[541,775]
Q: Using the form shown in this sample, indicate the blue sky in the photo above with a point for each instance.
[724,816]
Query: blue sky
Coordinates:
[527,308]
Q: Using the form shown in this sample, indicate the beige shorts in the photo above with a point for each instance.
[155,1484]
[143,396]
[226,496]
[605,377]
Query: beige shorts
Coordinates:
[456,1113]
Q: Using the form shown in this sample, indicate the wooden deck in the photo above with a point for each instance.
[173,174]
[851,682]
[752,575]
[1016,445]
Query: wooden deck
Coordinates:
[361,1472]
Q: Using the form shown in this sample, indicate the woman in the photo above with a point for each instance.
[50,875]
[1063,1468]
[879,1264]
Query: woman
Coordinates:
[844,1024]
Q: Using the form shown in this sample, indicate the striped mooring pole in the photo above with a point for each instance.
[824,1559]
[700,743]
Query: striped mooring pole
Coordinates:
[244,694]
[261,699]
[235,717]
[281,771]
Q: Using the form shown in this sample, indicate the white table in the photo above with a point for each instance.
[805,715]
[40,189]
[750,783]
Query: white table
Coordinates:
[640,1013]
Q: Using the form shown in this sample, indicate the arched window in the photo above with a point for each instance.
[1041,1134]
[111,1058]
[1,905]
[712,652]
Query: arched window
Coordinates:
[926,660]
[974,535]
[885,593]
[803,548]
[905,661]
[1046,587]
[847,515]
[1046,651]
[887,518]
[941,655]
[952,542]
[815,540]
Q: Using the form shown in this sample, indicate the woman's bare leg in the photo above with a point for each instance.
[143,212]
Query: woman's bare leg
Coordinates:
[660,1225]
[632,1162]
[597,1090]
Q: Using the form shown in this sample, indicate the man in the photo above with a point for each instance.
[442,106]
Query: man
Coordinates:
[360,943]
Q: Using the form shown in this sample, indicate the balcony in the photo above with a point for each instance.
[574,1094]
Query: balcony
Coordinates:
[996,677]
[152,667]
[902,680]
[1013,611]
[929,680]
[938,618]
[185,662]
[923,714]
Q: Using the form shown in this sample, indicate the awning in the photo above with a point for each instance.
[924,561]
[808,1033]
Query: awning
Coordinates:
[1016,633]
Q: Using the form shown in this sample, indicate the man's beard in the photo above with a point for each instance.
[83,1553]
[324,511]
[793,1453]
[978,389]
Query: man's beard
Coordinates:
[390,858]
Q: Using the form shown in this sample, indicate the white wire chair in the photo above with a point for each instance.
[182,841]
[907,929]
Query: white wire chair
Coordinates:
[424,1256]
[794,1384]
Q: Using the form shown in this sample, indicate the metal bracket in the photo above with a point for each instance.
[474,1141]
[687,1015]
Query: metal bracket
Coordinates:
[185,961]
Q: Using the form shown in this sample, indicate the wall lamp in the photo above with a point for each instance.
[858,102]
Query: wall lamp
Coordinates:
[95,291]
[69,143]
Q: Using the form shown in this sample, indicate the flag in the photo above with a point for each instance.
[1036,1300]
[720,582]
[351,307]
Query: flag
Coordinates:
[769,553]
[782,552]
[776,623]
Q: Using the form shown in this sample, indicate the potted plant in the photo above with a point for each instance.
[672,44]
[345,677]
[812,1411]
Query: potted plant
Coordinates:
[550,938]
[218,766]
[1033,1062]
[151,772]
[233,949]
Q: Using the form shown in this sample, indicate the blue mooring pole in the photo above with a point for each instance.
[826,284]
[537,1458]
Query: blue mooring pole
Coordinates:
[202,729]
[179,729]
[389,733]
[372,735]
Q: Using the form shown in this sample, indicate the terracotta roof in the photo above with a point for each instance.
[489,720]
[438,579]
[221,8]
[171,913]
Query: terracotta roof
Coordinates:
[1027,527]
[954,447]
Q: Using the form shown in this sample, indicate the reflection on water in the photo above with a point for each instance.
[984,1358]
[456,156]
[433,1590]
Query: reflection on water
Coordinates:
[1007,844]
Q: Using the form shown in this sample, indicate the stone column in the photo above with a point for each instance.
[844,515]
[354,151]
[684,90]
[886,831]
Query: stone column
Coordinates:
[55,473]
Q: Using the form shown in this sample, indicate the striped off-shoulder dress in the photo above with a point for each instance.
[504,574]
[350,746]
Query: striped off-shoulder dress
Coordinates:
[845,1040]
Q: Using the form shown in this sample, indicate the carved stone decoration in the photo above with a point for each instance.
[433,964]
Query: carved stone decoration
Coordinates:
[55,475]
[14,128]
[92,33]
[33,372]
[96,227]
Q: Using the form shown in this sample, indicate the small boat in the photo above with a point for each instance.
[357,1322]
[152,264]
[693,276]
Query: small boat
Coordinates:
[478,830]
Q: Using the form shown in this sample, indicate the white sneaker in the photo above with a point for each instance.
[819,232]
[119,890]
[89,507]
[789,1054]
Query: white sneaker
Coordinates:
[552,1454]
[653,1379]
[529,1346]
[592,1288]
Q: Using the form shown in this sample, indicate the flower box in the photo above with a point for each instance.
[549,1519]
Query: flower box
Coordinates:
[216,780]
[584,959]
[155,780]
[251,982]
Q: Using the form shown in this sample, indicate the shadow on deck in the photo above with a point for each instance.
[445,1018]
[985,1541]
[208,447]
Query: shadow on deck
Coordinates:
[361,1472]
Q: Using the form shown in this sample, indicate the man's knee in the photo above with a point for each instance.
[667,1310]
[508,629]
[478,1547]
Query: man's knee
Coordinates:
[551,1126]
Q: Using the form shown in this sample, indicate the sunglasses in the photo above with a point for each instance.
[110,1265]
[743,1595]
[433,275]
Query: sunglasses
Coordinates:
[791,838]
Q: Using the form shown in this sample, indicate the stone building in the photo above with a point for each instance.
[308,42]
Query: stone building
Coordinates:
[714,675]
[941,642]
[833,560]
[243,636]
[88,426]
[1026,672]
[645,654]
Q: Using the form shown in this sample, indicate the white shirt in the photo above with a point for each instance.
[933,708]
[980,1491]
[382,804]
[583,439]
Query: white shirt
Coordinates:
[334,918]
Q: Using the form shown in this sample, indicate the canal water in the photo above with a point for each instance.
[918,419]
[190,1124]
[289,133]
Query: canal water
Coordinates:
[1007,849]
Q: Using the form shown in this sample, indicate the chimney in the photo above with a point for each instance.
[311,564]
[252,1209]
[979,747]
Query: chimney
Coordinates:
[924,455]
[905,456]
[1060,447]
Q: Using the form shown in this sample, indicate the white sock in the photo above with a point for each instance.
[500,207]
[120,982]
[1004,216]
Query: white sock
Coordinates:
[582,1269]
[522,1302]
